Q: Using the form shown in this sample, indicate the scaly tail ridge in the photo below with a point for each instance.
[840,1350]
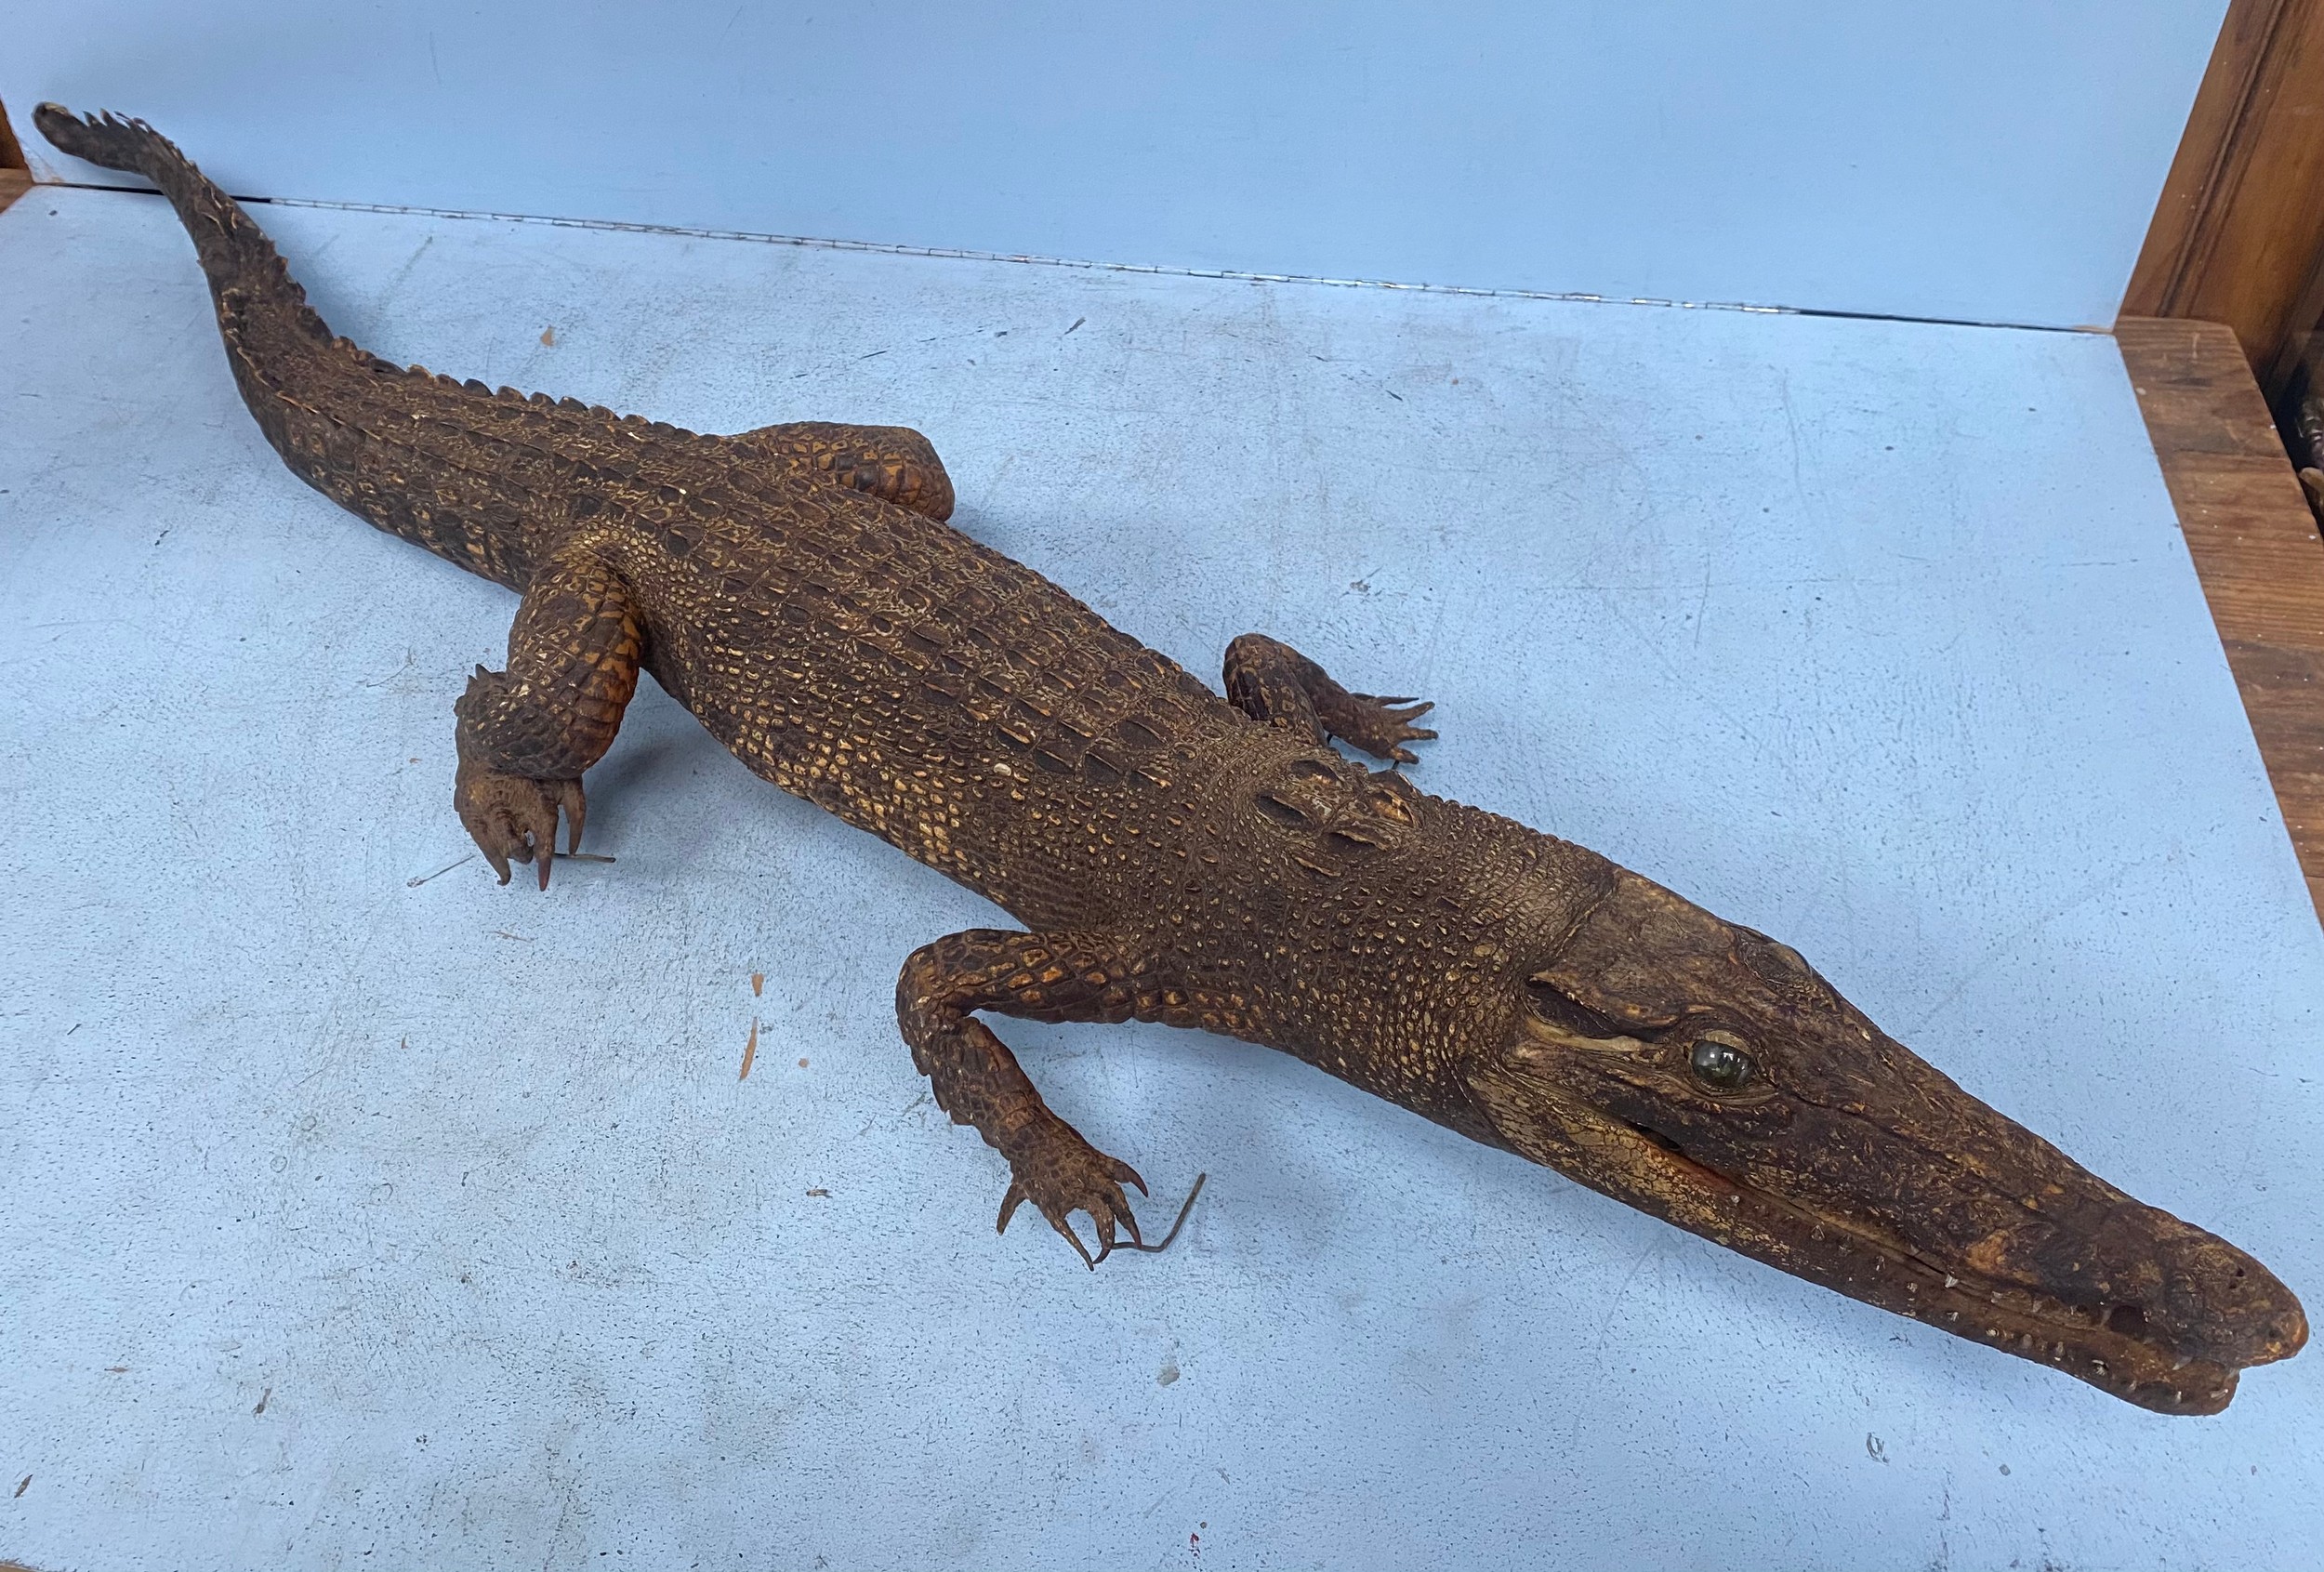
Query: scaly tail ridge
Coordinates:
[257,296]
[314,396]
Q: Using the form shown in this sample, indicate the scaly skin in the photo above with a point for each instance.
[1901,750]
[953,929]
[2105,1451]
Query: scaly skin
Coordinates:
[1180,858]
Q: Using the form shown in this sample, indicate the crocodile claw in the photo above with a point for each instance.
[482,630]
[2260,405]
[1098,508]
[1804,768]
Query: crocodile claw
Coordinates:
[513,818]
[1061,1173]
[1382,725]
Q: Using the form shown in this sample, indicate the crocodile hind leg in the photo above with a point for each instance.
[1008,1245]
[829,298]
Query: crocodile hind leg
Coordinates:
[1270,681]
[525,734]
[893,463]
[978,1081]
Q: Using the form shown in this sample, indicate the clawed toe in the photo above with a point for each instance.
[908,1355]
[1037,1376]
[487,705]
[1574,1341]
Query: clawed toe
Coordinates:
[1381,724]
[513,818]
[576,808]
[1397,711]
[1060,1174]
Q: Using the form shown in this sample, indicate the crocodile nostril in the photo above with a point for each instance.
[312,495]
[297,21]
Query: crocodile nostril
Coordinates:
[2127,1320]
[2289,1333]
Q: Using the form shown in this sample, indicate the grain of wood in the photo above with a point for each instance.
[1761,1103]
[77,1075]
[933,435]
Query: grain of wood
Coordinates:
[2256,548]
[2239,231]
[11,151]
[13,184]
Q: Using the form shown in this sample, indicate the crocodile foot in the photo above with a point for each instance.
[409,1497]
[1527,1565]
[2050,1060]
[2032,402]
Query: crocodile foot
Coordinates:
[1061,1173]
[513,818]
[1375,725]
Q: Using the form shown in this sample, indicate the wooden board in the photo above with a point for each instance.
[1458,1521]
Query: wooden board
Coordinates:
[2254,545]
[11,157]
[2239,230]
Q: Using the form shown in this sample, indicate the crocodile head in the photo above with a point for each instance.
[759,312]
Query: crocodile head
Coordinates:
[1704,1072]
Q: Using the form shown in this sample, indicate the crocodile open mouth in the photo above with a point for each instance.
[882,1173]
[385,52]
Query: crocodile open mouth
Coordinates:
[2111,1346]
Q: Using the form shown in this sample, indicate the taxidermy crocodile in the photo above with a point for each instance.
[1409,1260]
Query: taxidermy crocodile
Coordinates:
[1180,857]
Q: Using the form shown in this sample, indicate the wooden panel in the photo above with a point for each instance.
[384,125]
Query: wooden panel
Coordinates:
[2239,230]
[15,180]
[11,151]
[2254,545]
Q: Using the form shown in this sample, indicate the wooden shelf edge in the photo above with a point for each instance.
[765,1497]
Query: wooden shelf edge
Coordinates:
[2256,548]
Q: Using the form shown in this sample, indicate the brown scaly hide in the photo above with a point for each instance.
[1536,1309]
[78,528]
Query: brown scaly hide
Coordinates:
[1180,857]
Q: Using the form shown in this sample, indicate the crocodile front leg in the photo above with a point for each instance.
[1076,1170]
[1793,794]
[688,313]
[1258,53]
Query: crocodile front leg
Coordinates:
[1269,681]
[525,734]
[893,463]
[977,1080]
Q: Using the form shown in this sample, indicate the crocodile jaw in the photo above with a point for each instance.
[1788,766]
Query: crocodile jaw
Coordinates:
[1857,1257]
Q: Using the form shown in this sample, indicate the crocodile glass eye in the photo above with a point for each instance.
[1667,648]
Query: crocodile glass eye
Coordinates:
[1719,1061]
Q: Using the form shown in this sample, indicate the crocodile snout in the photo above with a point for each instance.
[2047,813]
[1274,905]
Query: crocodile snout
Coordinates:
[2218,1303]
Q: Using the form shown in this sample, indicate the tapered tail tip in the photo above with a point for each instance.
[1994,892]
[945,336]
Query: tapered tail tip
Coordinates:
[103,139]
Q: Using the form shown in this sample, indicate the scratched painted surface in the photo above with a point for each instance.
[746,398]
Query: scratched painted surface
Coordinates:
[1987,160]
[355,1216]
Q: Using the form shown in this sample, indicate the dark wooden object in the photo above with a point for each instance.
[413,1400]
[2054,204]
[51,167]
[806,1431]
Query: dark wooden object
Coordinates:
[2239,236]
[15,177]
[11,151]
[2254,545]
[15,180]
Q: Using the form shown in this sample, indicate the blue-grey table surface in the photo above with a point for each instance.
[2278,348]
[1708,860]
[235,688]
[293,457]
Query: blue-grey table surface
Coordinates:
[363,1212]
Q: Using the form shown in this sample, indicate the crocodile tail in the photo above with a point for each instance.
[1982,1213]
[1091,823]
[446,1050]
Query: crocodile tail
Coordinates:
[246,273]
